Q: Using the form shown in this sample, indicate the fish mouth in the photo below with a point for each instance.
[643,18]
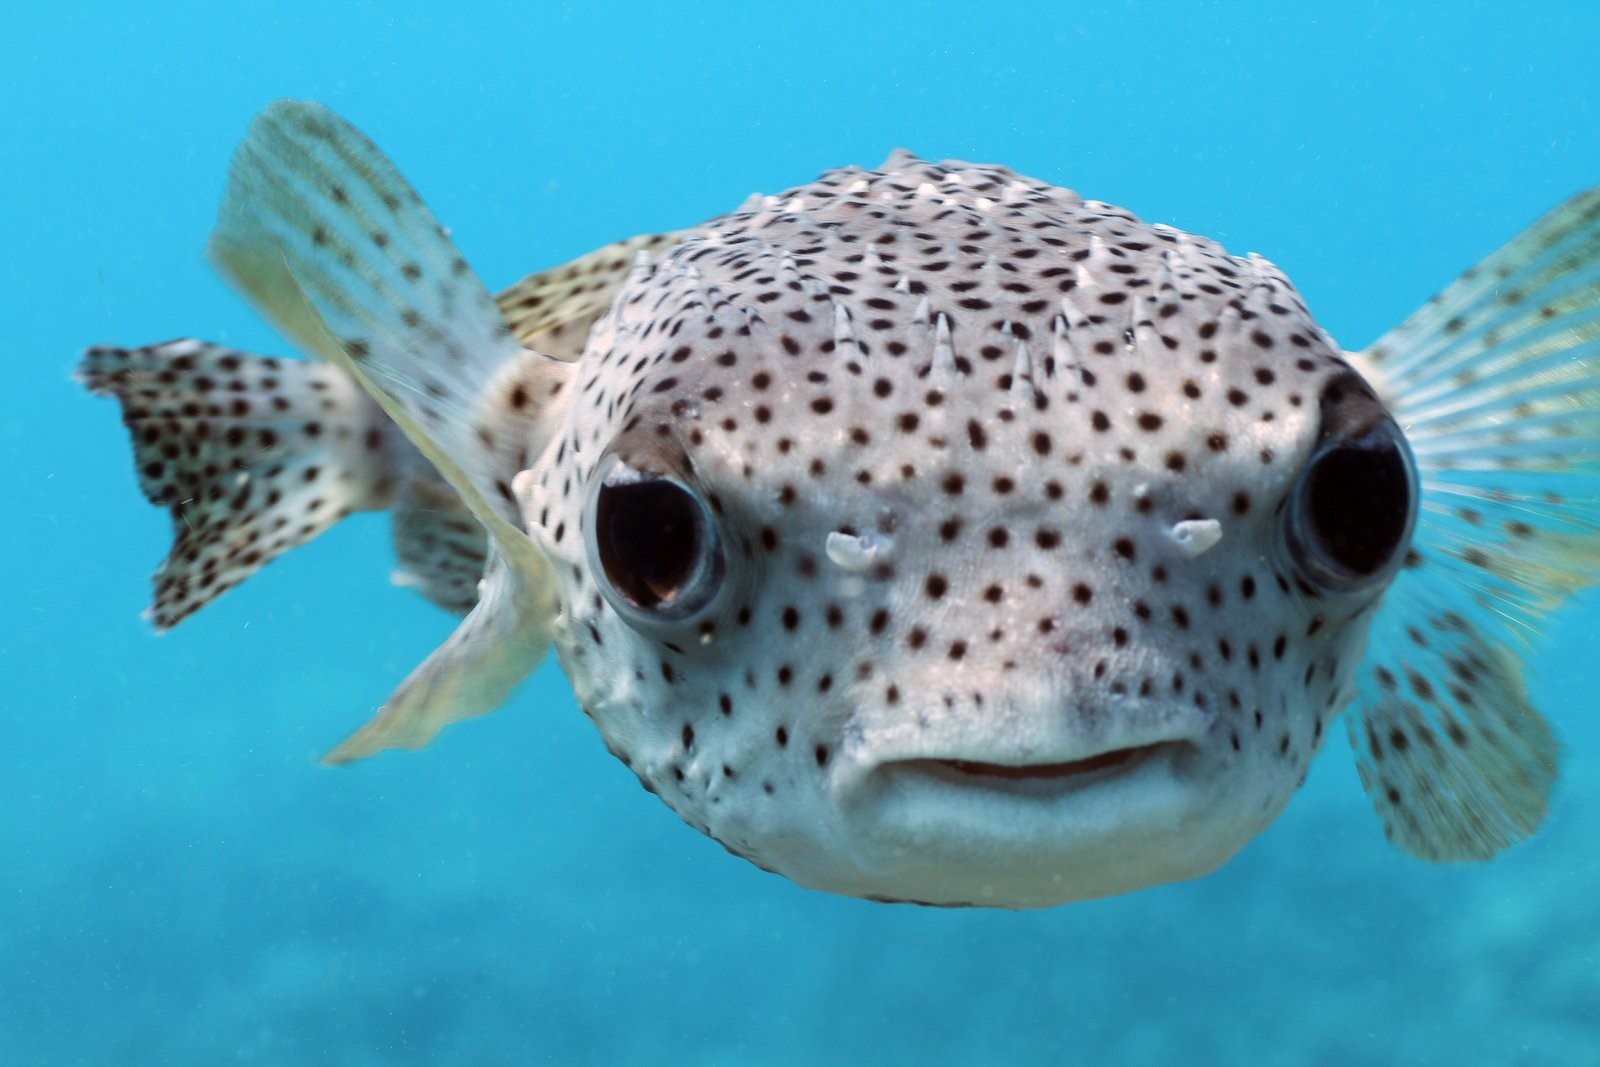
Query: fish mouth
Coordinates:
[1041,780]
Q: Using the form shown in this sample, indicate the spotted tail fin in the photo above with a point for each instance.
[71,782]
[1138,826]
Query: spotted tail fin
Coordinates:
[251,455]
[319,230]
[1496,383]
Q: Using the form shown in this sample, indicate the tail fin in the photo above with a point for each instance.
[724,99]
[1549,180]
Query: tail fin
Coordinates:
[252,456]
[1496,382]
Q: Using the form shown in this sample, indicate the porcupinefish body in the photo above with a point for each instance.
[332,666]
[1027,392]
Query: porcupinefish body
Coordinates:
[924,533]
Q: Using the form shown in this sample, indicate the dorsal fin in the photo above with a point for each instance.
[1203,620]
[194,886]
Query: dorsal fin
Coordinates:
[552,310]
[326,238]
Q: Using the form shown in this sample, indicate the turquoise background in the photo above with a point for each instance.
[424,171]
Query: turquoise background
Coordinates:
[181,883]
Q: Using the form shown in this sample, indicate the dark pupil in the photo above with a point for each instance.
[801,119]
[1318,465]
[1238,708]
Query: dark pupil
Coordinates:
[649,534]
[1358,496]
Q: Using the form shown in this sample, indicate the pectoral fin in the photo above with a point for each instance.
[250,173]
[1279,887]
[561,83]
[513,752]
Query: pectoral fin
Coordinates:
[496,646]
[322,234]
[1496,383]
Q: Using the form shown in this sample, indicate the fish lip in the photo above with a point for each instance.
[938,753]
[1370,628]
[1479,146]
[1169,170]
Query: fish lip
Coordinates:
[1037,778]
[876,764]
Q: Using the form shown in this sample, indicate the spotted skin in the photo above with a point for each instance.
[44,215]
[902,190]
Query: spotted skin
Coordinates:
[1025,392]
[930,533]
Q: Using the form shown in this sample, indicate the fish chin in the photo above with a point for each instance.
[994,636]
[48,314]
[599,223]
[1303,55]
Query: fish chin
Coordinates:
[958,832]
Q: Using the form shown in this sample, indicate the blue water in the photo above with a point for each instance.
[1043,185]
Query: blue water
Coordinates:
[181,883]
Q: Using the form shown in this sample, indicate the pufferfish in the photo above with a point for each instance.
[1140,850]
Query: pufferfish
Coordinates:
[925,533]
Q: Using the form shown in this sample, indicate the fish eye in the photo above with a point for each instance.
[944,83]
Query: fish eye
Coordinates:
[1351,515]
[653,545]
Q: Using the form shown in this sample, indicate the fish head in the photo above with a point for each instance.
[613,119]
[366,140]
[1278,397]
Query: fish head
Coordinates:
[932,534]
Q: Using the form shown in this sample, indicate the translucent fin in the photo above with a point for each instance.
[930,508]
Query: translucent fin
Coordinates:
[553,310]
[1457,763]
[322,233]
[1496,382]
[472,673]
[251,455]
[441,547]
